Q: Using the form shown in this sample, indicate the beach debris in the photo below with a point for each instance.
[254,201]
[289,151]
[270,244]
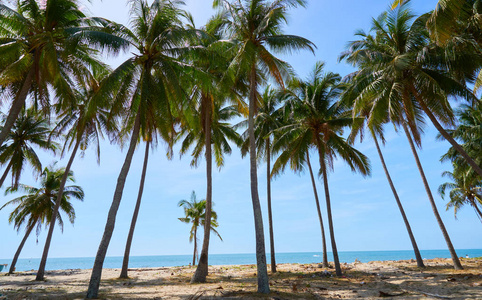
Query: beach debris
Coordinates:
[429,294]
[294,287]
[384,294]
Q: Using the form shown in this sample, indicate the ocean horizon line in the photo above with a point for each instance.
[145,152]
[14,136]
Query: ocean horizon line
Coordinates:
[246,253]
[178,260]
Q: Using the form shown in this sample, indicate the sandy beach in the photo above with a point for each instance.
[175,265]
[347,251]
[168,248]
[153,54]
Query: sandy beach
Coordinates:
[372,280]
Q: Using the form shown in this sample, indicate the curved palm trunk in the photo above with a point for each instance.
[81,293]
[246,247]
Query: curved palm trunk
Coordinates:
[447,136]
[455,259]
[317,201]
[328,210]
[195,247]
[400,207]
[476,208]
[270,215]
[125,262]
[20,247]
[43,261]
[5,174]
[94,283]
[17,105]
[263,280]
[202,267]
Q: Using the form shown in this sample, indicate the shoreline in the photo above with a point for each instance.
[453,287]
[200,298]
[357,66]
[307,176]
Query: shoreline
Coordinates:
[371,280]
[112,262]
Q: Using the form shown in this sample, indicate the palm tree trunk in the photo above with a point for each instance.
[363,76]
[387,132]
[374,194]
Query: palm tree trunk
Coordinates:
[20,247]
[328,210]
[270,215]
[263,280]
[125,262]
[94,283]
[476,208]
[43,261]
[400,207]
[17,105]
[455,259]
[447,136]
[195,247]
[202,267]
[4,176]
[323,238]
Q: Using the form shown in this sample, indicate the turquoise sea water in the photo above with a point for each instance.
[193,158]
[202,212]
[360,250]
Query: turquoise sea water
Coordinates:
[25,264]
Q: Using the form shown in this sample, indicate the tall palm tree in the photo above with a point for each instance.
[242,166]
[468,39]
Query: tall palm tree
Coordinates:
[318,120]
[376,132]
[44,46]
[36,207]
[30,129]
[205,123]
[425,75]
[400,76]
[84,123]
[147,89]
[195,213]
[267,120]
[256,26]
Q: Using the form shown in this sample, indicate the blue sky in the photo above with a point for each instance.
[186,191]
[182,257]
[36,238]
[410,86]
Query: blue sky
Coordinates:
[365,214]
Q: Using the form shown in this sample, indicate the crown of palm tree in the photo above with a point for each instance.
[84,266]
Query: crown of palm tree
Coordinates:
[30,129]
[36,207]
[400,72]
[316,119]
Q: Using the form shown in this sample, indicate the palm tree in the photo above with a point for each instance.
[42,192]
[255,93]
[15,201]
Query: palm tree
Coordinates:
[466,185]
[44,46]
[195,213]
[36,207]
[147,88]
[84,123]
[400,76]
[452,18]
[30,129]
[267,120]
[210,130]
[469,134]
[463,190]
[318,120]
[376,132]
[256,25]
[205,123]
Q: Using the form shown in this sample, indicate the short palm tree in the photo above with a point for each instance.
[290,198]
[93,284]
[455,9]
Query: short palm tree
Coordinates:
[149,92]
[45,46]
[401,76]
[466,185]
[195,213]
[469,134]
[318,120]
[30,129]
[36,207]
[462,190]
[84,123]
[256,26]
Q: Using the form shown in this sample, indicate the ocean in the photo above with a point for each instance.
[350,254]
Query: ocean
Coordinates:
[27,264]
